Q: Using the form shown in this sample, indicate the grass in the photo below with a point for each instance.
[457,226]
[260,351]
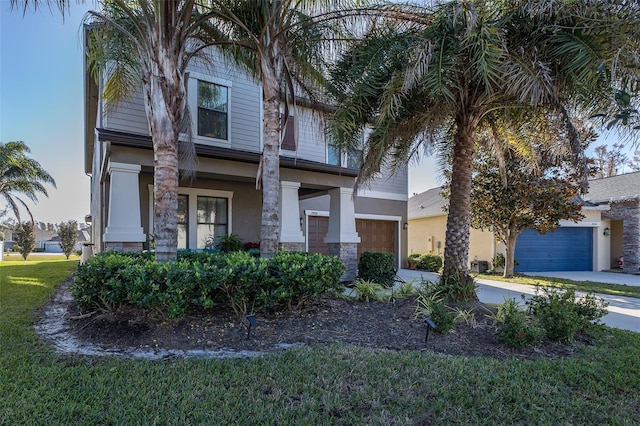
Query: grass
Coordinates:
[600,384]
[588,286]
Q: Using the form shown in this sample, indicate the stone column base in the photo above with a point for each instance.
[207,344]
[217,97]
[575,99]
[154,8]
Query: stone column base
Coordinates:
[289,246]
[348,253]
[123,247]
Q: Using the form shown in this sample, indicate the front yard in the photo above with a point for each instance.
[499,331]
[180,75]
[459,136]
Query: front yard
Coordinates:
[332,384]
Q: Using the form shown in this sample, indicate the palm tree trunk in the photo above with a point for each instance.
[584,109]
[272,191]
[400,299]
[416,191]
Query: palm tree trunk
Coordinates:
[456,250]
[165,100]
[270,229]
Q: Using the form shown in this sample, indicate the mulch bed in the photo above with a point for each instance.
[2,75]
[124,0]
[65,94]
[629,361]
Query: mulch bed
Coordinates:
[326,321]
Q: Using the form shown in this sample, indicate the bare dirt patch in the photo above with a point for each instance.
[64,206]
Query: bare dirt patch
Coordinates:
[326,321]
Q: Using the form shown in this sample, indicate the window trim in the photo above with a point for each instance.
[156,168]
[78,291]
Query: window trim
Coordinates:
[192,96]
[192,217]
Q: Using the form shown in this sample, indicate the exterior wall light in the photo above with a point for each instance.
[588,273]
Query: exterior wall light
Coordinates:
[606,232]
[405,226]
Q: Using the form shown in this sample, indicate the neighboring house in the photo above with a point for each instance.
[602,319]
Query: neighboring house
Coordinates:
[318,211]
[610,230]
[52,245]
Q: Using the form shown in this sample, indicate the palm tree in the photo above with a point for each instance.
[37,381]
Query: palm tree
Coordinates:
[20,174]
[285,45]
[437,78]
[149,44]
[280,42]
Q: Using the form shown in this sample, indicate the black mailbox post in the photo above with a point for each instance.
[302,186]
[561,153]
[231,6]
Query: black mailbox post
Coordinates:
[479,266]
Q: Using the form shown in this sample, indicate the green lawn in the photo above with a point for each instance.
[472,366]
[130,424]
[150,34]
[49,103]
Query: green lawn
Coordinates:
[588,286]
[333,385]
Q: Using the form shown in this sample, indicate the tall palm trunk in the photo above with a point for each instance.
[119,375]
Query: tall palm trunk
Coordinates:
[270,230]
[165,99]
[456,250]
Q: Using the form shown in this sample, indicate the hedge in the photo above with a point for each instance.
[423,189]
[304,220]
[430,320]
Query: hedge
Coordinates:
[239,280]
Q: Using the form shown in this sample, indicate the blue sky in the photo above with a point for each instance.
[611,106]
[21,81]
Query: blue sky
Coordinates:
[41,103]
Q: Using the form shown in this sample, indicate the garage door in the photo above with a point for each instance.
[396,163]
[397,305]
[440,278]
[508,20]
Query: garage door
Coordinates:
[565,249]
[375,235]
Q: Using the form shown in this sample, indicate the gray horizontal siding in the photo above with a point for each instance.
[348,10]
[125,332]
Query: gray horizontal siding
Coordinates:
[128,117]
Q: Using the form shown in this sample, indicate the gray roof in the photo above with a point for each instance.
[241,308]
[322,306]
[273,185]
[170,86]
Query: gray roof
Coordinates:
[426,204]
[614,188]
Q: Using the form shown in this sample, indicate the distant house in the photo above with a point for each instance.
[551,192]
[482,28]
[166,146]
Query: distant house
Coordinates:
[610,231]
[319,211]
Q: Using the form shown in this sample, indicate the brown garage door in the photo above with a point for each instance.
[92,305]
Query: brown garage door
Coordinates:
[375,235]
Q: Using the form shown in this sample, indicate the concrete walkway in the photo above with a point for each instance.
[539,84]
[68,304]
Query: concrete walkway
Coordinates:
[624,312]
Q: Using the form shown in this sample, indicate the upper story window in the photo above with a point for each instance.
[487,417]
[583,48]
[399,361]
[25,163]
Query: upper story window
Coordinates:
[350,159]
[213,110]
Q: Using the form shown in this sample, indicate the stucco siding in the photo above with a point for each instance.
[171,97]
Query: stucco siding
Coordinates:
[426,234]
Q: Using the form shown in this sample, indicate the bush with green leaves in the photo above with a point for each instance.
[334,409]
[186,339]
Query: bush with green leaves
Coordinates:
[429,262]
[298,277]
[563,315]
[368,290]
[25,238]
[68,233]
[229,243]
[243,282]
[429,305]
[377,267]
[515,328]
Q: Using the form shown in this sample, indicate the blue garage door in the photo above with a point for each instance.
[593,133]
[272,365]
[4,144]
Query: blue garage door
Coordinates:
[565,249]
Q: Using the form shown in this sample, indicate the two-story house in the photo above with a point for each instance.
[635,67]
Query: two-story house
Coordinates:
[319,211]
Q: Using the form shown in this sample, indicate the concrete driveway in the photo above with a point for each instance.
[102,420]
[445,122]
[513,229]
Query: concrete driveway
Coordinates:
[624,312]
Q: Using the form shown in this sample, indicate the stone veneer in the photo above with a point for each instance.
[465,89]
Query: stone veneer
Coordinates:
[288,246]
[123,247]
[348,253]
[629,212]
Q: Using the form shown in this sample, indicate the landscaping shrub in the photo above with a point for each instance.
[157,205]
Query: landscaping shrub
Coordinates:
[431,306]
[429,262]
[300,276]
[229,243]
[368,290]
[239,280]
[377,267]
[562,315]
[514,328]
[98,283]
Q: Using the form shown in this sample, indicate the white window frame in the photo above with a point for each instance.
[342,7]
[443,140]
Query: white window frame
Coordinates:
[192,91]
[192,220]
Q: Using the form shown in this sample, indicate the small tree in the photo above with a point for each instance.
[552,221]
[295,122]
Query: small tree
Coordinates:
[26,240]
[527,200]
[68,233]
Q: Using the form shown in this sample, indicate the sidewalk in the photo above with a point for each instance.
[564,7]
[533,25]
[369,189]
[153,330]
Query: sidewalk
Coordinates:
[624,312]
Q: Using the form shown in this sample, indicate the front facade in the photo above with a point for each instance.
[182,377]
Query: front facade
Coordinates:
[608,238]
[318,210]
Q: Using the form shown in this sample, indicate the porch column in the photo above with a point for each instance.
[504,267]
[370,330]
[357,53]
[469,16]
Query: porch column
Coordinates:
[342,239]
[124,231]
[631,235]
[291,237]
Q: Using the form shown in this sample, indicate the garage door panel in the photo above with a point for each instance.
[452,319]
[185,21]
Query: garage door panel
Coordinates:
[375,235]
[565,249]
